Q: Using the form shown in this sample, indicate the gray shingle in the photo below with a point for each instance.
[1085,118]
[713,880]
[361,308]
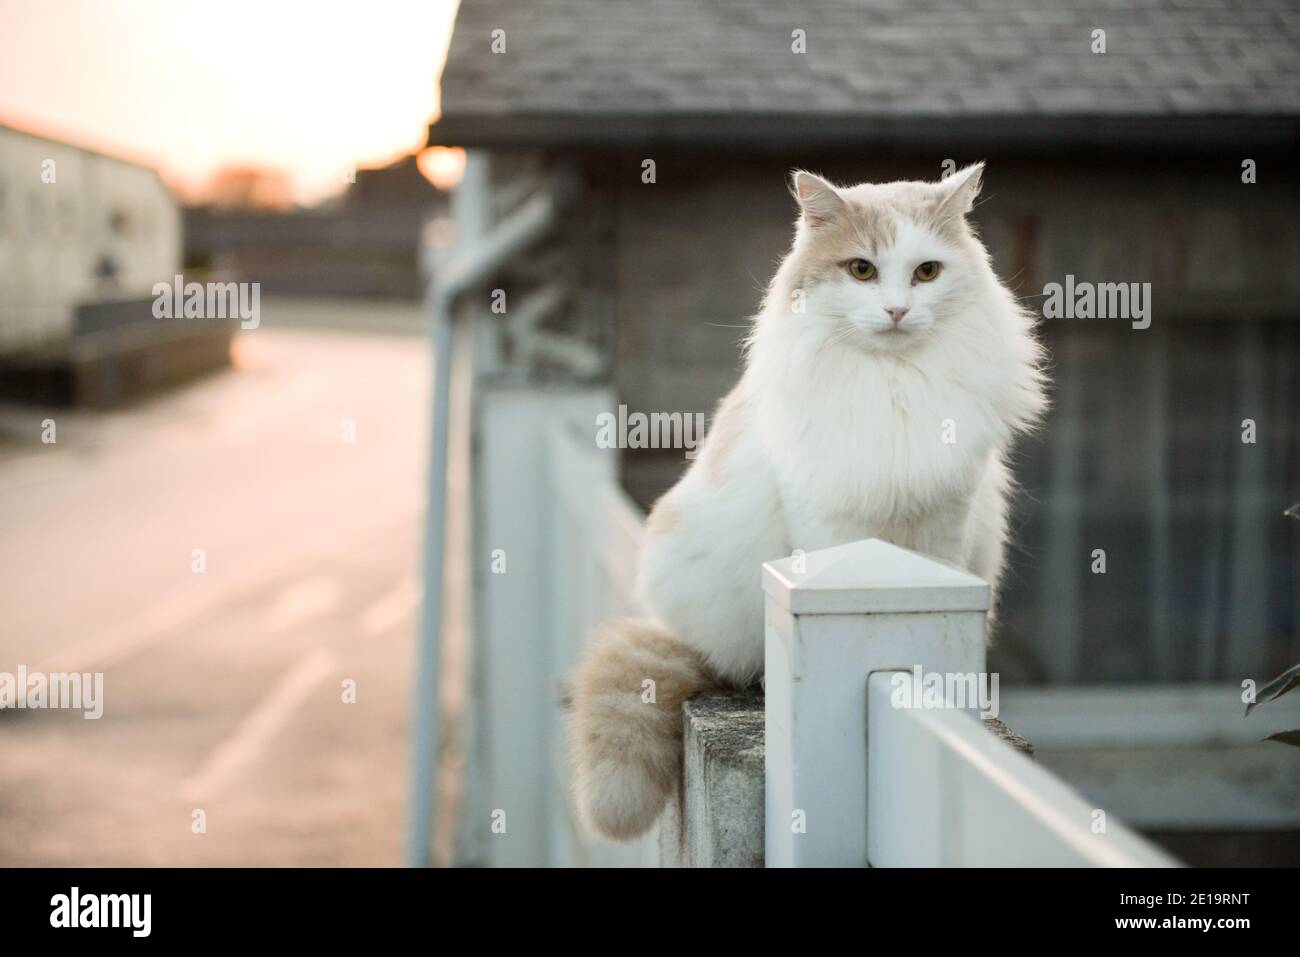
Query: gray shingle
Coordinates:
[601,60]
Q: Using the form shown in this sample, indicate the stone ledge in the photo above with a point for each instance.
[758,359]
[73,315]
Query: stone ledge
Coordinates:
[717,818]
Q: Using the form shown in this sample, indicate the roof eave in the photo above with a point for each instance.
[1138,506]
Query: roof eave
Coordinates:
[785,132]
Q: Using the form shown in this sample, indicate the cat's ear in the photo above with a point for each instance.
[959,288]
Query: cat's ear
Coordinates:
[957,192]
[819,200]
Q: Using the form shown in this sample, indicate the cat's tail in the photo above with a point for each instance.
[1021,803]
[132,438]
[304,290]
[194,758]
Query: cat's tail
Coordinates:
[625,725]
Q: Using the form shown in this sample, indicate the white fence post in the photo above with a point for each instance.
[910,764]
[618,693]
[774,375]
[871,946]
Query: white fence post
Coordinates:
[834,617]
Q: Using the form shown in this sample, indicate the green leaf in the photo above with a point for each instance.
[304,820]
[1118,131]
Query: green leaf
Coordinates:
[1276,688]
[1293,511]
[1286,737]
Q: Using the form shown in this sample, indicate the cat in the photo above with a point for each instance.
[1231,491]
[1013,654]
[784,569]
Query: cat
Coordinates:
[886,375]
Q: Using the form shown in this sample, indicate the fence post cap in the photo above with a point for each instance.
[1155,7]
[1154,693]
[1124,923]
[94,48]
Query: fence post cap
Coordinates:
[871,576]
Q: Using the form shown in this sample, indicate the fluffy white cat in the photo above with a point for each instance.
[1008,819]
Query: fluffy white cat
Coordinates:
[887,374]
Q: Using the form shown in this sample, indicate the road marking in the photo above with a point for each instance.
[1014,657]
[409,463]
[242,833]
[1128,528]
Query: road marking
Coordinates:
[300,601]
[391,609]
[102,651]
[165,621]
[250,738]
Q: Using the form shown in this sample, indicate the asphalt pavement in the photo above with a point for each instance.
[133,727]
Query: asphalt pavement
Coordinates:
[240,560]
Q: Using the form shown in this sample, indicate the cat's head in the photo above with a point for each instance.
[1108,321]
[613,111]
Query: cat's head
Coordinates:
[885,266]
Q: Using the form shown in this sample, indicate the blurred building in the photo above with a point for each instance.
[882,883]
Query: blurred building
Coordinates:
[84,237]
[364,244]
[77,228]
[667,130]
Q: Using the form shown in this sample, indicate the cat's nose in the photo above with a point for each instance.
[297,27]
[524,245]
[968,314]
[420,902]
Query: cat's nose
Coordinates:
[896,313]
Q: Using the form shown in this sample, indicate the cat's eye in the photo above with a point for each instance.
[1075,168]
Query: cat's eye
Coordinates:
[862,269]
[926,272]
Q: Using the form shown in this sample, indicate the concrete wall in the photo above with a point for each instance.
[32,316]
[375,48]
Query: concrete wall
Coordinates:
[716,818]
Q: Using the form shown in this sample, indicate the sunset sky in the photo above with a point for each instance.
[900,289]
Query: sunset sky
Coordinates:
[191,86]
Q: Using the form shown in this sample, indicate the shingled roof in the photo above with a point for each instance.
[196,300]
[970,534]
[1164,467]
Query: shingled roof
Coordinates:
[609,70]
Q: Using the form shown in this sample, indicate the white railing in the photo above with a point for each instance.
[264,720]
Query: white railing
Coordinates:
[554,554]
[596,533]
[850,780]
[944,792]
[593,539]
[857,775]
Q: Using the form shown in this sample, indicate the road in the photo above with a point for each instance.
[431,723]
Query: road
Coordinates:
[226,736]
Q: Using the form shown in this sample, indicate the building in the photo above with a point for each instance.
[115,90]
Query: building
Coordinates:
[366,243]
[1122,166]
[84,237]
[77,227]
[1151,143]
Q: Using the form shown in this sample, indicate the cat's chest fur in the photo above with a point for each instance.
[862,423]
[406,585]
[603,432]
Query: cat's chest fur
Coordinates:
[876,450]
